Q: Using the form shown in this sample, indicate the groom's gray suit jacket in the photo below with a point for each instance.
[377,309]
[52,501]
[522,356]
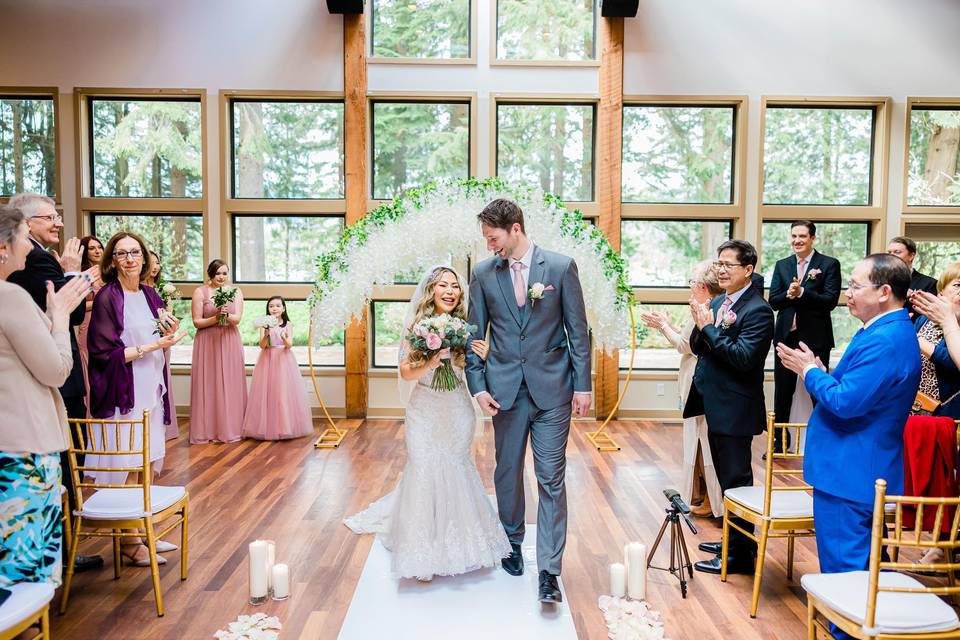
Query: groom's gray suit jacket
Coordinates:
[546,343]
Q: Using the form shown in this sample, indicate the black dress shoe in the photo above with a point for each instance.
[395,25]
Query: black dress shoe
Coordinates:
[710,547]
[513,563]
[86,563]
[549,588]
[734,565]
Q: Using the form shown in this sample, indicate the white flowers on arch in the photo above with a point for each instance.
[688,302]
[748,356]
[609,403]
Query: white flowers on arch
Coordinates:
[428,225]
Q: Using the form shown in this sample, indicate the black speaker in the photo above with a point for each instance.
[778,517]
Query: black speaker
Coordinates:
[350,6]
[617,8]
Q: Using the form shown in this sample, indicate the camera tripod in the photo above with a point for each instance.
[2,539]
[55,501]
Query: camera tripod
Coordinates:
[679,558]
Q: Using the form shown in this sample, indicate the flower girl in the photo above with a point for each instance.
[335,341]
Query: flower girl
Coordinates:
[277,406]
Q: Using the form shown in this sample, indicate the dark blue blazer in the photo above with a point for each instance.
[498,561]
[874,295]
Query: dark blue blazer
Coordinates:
[812,310]
[948,376]
[855,434]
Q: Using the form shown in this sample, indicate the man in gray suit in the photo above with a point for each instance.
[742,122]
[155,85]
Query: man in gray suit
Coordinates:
[536,373]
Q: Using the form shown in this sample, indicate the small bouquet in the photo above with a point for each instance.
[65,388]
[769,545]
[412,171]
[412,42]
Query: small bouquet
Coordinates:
[433,333]
[266,322]
[167,292]
[221,298]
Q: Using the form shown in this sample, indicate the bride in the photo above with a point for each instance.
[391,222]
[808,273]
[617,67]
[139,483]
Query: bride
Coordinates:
[438,520]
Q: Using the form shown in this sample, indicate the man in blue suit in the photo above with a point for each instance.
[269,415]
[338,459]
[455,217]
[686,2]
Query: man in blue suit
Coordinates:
[855,434]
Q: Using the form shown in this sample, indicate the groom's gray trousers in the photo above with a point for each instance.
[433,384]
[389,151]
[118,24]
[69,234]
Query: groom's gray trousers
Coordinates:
[547,430]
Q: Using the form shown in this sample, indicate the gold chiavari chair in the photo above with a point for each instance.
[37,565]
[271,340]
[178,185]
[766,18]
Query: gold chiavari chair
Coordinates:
[882,603]
[28,606]
[111,508]
[782,510]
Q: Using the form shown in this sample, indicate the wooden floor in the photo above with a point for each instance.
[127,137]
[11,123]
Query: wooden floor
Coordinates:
[296,495]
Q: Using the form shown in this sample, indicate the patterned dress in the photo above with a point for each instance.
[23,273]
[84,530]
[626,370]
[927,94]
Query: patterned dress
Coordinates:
[30,514]
[928,372]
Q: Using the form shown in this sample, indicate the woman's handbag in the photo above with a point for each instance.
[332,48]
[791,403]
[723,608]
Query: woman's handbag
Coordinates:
[925,405]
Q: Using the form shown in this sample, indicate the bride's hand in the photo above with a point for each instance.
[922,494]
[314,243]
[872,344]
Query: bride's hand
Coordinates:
[480,347]
[435,359]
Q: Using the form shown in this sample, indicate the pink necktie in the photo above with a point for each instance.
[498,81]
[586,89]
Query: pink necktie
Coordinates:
[519,291]
[801,270]
[724,307]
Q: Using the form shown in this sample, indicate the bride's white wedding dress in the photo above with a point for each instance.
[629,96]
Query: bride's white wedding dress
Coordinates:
[438,520]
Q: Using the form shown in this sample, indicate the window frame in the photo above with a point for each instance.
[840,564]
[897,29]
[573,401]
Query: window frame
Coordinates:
[470,60]
[53,93]
[231,223]
[468,98]
[912,103]
[589,208]
[496,61]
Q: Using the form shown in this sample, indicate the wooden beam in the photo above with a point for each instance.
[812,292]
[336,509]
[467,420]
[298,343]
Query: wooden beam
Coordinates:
[355,170]
[609,168]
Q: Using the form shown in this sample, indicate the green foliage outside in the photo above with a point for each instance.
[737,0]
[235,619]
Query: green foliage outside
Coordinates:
[933,178]
[546,29]
[662,253]
[934,256]
[677,154]
[286,246]
[547,145]
[421,28]
[817,156]
[388,319]
[848,242]
[414,143]
[27,146]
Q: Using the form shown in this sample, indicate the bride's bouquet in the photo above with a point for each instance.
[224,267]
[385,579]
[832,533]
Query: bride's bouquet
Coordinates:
[221,298]
[433,333]
[266,322]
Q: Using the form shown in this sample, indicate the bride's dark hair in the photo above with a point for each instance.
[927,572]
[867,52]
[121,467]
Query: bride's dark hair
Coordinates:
[425,308]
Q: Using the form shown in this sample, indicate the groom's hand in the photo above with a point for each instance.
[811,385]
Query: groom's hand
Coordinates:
[488,405]
[581,403]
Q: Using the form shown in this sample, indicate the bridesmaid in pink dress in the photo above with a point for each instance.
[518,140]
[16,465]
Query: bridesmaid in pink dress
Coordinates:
[277,409]
[218,386]
[155,280]
[92,252]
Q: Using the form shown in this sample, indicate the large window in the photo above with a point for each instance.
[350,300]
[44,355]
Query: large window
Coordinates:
[549,145]
[416,142]
[430,29]
[146,148]
[28,145]
[818,155]
[848,242]
[938,245]
[177,239]
[933,156]
[653,350]
[678,154]
[546,30]
[662,253]
[387,329]
[282,248]
[287,149]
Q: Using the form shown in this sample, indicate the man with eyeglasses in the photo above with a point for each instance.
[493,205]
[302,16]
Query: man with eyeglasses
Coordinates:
[731,340]
[44,263]
[804,290]
[855,434]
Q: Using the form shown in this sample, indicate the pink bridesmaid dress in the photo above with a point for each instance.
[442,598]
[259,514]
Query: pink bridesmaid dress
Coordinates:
[218,386]
[277,409]
[81,331]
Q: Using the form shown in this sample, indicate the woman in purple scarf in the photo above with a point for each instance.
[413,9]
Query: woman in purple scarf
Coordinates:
[129,329]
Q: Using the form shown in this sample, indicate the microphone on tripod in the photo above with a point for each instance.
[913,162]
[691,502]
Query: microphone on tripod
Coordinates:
[674,497]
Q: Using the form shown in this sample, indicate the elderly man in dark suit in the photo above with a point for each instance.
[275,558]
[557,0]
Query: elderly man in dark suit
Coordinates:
[804,290]
[906,249]
[45,264]
[731,340]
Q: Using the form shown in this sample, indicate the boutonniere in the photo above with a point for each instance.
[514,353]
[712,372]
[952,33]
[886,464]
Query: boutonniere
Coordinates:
[813,273]
[536,291]
[728,319]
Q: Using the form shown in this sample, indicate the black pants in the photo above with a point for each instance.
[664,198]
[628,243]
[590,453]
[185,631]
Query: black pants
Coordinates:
[731,460]
[785,380]
[76,409]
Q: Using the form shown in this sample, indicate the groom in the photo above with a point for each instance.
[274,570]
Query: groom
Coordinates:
[536,373]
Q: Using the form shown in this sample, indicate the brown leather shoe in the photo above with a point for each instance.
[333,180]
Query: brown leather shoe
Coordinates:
[702,511]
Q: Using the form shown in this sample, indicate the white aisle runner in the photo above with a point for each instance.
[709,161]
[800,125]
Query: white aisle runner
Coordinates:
[487,604]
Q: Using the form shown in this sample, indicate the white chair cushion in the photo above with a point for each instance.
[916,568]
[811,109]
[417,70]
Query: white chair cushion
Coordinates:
[783,504]
[113,504]
[25,599]
[846,593]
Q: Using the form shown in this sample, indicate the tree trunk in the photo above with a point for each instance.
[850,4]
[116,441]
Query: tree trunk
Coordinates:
[17,146]
[559,161]
[250,183]
[941,161]
[828,193]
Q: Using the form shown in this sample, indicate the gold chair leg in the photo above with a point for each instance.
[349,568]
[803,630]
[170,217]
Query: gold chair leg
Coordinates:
[116,555]
[724,545]
[183,541]
[758,570]
[154,568]
[71,558]
[790,541]
[811,616]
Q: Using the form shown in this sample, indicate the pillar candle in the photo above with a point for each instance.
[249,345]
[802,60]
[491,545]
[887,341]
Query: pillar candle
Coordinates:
[618,580]
[281,581]
[258,569]
[637,571]
[271,560]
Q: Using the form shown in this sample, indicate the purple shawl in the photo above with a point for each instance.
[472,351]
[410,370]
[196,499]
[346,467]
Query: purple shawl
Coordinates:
[111,377]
